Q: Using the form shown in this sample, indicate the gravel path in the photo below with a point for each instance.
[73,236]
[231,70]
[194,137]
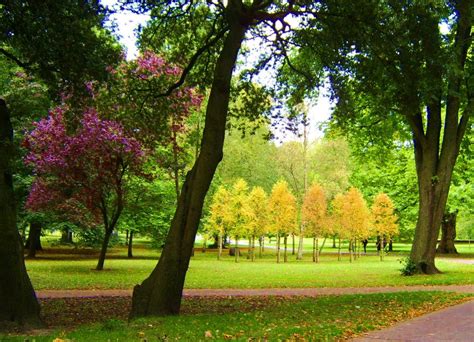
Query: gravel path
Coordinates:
[308,292]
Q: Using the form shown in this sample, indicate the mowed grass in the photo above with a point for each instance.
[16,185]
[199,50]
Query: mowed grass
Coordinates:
[207,272]
[260,319]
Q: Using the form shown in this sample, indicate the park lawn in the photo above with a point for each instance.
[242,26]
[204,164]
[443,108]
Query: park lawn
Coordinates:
[207,272]
[262,318]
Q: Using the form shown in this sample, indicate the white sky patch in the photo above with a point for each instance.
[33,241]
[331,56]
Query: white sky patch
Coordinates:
[320,110]
[127,24]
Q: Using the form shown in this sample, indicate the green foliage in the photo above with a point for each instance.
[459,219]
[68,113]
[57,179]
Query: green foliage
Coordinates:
[63,43]
[408,267]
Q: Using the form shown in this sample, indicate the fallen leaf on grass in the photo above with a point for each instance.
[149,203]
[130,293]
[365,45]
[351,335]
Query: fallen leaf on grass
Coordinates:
[208,334]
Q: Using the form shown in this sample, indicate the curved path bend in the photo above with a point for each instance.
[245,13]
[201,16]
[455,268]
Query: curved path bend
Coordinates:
[307,292]
[455,323]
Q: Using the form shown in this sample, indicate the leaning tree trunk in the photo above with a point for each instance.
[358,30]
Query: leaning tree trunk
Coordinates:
[448,234]
[161,292]
[33,243]
[130,244]
[435,157]
[18,303]
[103,250]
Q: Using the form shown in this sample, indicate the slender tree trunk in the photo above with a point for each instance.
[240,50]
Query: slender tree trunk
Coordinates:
[285,254]
[300,245]
[334,241]
[322,246]
[278,247]
[253,248]
[126,237]
[130,244]
[161,292]
[263,243]
[219,254]
[350,251]
[237,252]
[390,245]
[18,303]
[317,251]
[33,243]
[382,247]
[448,234]
[103,250]
[293,244]
[260,246]
[314,249]
[339,251]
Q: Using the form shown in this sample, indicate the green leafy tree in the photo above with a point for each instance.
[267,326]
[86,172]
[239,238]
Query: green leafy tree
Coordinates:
[63,44]
[413,76]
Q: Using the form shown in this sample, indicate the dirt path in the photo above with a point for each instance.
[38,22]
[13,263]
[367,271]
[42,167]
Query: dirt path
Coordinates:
[308,292]
[451,324]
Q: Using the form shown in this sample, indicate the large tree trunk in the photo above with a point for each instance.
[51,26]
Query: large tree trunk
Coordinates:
[435,158]
[160,293]
[448,234]
[18,303]
[33,243]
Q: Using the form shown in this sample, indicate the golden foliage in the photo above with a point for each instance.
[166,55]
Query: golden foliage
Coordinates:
[384,218]
[313,211]
[282,209]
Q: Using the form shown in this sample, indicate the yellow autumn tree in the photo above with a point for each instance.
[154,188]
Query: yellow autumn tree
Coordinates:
[314,216]
[353,217]
[384,219]
[222,217]
[240,211]
[257,218]
[282,214]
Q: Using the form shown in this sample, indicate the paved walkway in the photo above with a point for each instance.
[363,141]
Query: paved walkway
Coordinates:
[455,323]
[308,292]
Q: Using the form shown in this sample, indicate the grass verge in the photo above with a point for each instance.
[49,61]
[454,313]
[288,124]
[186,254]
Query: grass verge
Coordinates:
[244,319]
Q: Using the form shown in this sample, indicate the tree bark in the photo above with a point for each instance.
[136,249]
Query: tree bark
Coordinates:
[18,303]
[103,250]
[293,244]
[314,249]
[278,248]
[219,254]
[161,292]
[317,250]
[285,252]
[448,234]
[237,252]
[300,245]
[33,243]
[130,244]
[435,157]
[339,251]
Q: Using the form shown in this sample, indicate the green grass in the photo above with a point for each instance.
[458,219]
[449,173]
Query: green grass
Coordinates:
[322,319]
[207,272]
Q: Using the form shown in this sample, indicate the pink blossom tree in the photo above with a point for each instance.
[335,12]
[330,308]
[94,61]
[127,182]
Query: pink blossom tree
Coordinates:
[138,93]
[82,174]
